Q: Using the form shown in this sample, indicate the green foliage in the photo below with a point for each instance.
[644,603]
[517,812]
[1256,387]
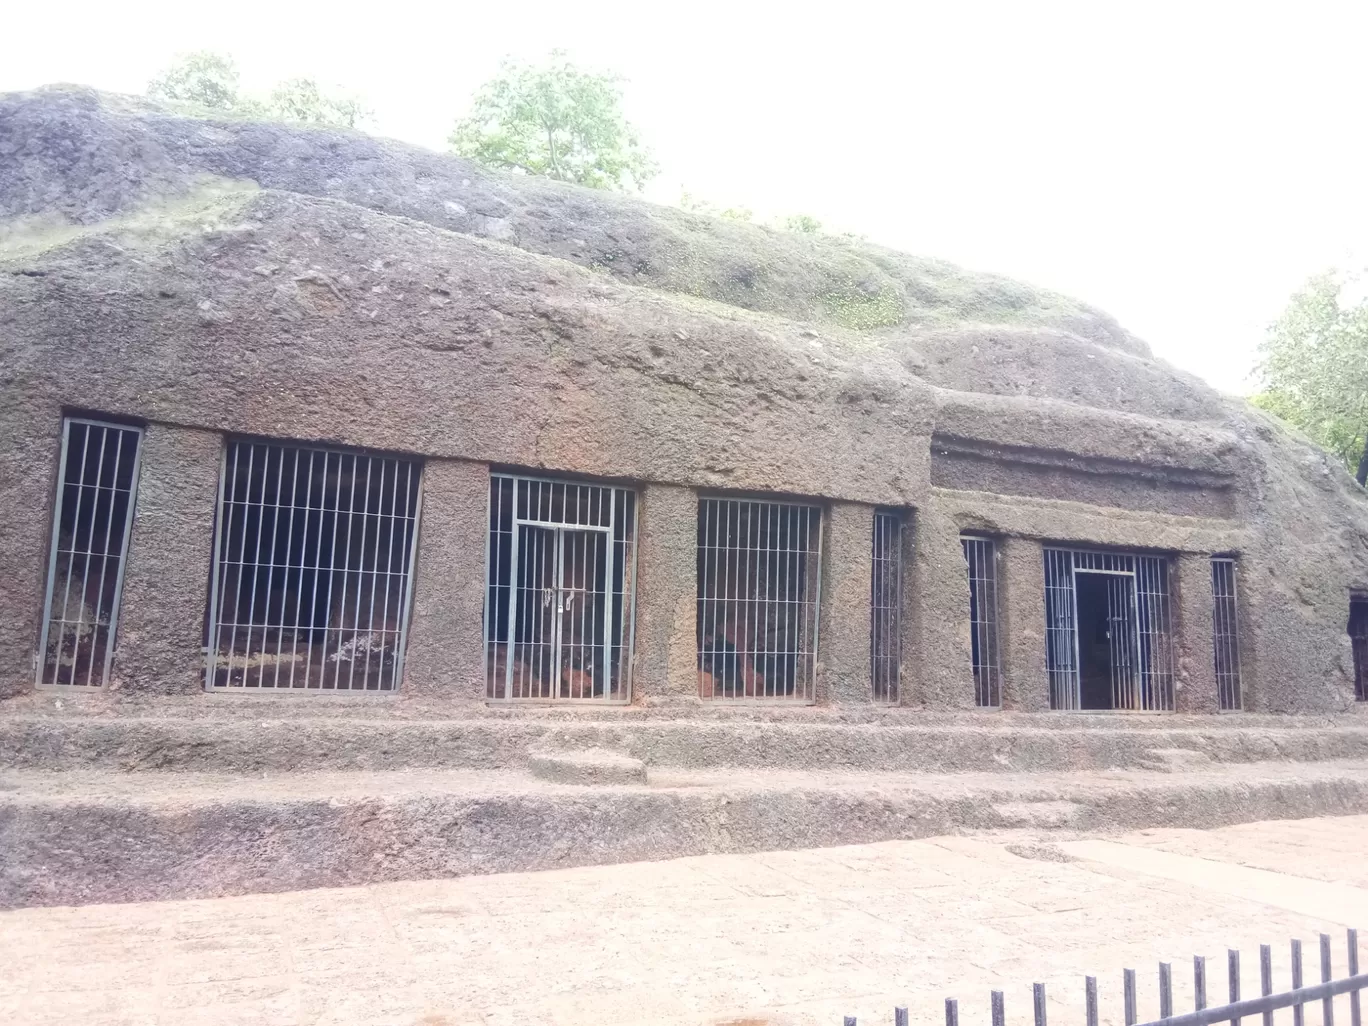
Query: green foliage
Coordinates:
[301,99]
[694,205]
[203,77]
[802,224]
[210,80]
[556,121]
[1315,369]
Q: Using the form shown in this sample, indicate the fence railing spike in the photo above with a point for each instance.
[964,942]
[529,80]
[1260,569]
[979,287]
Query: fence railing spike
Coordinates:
[1355,1014]
[900,1016]
[1328,1005]
[1298,1013]
[1266,978]
[1233,977]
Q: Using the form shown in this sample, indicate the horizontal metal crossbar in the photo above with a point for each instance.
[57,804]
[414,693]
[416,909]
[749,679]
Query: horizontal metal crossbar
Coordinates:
[1271,1003]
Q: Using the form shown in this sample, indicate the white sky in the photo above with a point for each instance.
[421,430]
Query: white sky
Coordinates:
[1184,166]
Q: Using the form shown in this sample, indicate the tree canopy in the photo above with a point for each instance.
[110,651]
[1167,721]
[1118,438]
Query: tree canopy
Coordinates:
[1315,368]
[211,80]
[556,121]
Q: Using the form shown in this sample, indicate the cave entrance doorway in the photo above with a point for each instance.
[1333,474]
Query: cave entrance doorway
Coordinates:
[1108,636]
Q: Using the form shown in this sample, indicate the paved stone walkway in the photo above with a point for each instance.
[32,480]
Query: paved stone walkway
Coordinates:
[783,938]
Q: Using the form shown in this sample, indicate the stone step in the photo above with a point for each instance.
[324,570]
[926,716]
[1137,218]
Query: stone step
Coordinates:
[273,742]
[78,837]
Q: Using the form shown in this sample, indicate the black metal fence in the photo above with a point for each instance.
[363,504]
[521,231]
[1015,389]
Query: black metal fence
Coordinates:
[1202,1014]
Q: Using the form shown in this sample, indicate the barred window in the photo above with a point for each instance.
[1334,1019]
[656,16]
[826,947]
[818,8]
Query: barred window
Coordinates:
[980,557]
[1225,632]
[759,576]
[91,522]
[885,633]
[311,584]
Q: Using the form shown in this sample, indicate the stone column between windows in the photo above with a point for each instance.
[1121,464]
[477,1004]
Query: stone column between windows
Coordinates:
[1021,631]
[843,655]
[939,643]
[1194,651]
[444,655]
[30,448]
[666,650]
[160,643]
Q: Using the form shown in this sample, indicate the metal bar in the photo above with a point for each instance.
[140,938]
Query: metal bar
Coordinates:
[270,569]
[1199,981]
[1266,978]
[90,555]
[1328,1004]
[1038,1003]
[514,584]
[1355,1016]
[71,560]
[1090,999]
[1128,995]
[1298,1013]
[952,1012]
[412,500]
[999,1013]
[900,1016]
[1233,979]
[1257,1006]
[298,588]
[113,631]
[1165,990]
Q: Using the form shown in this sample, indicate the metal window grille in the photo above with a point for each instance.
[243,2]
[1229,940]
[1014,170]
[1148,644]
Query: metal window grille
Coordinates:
[91,522]
[759,587]
[885,635]
[1138,632]
[980,557]
[1358,635]
[312,580]
[559,594]
[1225,632]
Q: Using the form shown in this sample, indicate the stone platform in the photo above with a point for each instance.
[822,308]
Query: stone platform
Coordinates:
[227,798]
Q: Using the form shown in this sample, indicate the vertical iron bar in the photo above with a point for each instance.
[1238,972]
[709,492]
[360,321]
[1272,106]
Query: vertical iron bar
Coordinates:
[1328,1004]
[1298,1011]
[951,1012]
[1266,978]
[126,534]
[1090,999]
[999,1013]
[1038,1003]
[1199,982]
[1355,1015]
[1128,996]
[104,553]
[1165,990]
[900,1016]
[1233,979]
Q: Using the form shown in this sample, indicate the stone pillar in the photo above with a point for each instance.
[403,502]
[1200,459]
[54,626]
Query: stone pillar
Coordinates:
[444,654]
[1021,633]
[1194,650]
[942,674]
[844,618]
[160,643]
[666,661]
[30,447]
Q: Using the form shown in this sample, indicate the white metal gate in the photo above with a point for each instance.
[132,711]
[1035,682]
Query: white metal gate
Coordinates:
[558,608]
[1139,641]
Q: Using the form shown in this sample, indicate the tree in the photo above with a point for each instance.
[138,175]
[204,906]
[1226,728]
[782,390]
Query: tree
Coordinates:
[301,99]
[556,121]
[1315,368]
[203,77]
[211,80]
[803,224]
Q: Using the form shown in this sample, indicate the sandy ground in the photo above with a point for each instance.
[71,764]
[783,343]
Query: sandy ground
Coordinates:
[781,938]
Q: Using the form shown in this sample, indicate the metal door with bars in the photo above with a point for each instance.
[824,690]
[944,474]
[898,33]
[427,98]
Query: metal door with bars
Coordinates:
[560,571]
[97,487]
[1108,638]
[1225,632]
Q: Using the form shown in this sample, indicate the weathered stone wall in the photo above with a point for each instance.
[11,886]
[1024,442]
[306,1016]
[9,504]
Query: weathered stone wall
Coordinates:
[300,315]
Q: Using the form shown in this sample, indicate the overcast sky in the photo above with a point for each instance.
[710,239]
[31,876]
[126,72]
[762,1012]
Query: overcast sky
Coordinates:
[1184,166]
